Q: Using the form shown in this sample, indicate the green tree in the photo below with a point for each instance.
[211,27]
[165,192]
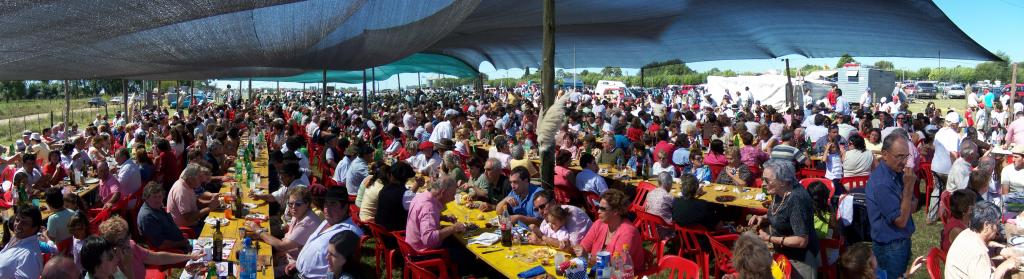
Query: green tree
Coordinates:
[846,58]
[611,71]
[810,68]
[884,65]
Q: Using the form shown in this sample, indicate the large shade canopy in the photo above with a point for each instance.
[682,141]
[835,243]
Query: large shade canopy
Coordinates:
[194,39]
[416,63]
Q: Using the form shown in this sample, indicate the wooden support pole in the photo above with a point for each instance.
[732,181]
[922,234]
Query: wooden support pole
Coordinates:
[547,169]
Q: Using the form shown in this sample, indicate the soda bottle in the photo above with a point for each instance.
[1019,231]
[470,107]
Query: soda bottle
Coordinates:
[247,260]
[627,263]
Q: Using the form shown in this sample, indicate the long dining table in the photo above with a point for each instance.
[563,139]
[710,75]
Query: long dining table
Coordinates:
[232,230]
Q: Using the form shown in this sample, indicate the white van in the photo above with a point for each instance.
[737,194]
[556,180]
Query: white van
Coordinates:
[608,89]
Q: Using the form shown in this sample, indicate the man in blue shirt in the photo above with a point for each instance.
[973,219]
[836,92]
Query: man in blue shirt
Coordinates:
[890,205]
[519,201]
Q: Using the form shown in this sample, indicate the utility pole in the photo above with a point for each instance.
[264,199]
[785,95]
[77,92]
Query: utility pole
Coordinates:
[547,158]
[124,91]
[323,90]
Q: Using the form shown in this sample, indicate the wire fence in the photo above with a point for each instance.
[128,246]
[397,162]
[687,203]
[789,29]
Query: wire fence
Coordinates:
[11,129]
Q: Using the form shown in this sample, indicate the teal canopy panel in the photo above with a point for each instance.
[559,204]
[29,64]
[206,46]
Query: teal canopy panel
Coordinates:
[416,63]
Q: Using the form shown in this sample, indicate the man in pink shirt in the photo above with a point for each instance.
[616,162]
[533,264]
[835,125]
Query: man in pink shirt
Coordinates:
[423,229]
[109,188]
[1015,131]
[182,200]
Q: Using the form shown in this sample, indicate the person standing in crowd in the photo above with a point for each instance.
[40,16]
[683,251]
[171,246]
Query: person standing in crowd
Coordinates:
[890,203]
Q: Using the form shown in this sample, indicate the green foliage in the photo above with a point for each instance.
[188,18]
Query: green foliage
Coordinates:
[884,65]
[670,67]
[611,72]
[846,58]
[810,68]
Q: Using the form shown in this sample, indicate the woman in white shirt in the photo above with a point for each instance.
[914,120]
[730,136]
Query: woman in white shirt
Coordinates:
[857,161]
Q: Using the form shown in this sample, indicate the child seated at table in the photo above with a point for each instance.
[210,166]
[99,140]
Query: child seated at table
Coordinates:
[552,232]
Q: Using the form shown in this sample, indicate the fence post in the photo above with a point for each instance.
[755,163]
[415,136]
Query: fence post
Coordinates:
[51,118]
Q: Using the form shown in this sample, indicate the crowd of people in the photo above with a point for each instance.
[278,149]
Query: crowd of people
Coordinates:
[398,160]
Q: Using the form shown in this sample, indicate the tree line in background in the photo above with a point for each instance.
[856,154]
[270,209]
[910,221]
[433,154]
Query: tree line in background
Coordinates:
[675,72]
[50,89]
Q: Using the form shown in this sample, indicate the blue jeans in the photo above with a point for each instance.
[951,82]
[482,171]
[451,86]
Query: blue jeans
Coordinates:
[893,256]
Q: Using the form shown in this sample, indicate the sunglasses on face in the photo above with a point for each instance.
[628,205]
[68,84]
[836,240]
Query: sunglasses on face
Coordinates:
[293,204]
[601,208]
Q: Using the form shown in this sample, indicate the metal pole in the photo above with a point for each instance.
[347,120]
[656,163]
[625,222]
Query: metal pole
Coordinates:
[547,159]
[789,86]
[1013,93]
[250,88]
[124,91]
[641,77]
[323,90]
[419,82]
[399,82]
[67,101]
[365,100]
[373,74]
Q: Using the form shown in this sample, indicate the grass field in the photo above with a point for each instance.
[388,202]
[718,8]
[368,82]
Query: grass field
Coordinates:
[20,108]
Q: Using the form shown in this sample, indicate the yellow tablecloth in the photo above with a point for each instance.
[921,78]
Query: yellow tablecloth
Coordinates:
[230,230]
[499,259]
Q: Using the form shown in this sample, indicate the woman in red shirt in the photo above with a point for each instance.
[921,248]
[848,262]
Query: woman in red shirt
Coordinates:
[636,130]
[613,232]
[167,170]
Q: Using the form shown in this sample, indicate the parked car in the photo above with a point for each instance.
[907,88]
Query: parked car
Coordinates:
[116,100]
[925,89]
[956,91]
[1020,90]
[97,102]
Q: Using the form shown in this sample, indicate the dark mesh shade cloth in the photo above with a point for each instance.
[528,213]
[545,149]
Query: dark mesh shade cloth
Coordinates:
[196,39]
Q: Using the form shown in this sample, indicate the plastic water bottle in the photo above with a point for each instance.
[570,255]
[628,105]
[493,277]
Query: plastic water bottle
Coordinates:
[247,260]
[627,263]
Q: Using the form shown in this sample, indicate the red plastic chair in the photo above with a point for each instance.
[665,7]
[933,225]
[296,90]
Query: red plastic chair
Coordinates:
[806,182]
[648,225]
[715,170]
[824,246]
[640,200]
[722,258]
[382,255]
[811,173]
[936,258]
[929,182]
[785,265]
[438,259]
[854,182]
[689,246]
[419,272]
[566,194]
[678,267]
[590,202]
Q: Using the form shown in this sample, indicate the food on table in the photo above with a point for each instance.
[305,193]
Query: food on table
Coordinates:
[725,198]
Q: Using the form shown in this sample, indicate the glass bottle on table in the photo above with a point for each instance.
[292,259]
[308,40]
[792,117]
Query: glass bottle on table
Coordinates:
[231,271]
[626,268]
[218,243]
[211,270]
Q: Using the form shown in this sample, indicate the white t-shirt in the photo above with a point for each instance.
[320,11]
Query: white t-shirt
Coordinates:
[1012,177]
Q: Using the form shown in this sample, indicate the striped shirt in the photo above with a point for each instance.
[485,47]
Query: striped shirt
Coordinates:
[789,153]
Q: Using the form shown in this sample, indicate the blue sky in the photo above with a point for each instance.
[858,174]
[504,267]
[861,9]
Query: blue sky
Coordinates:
[992,23]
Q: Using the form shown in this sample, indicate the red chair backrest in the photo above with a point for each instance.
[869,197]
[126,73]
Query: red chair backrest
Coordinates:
[590,203]
[565,194]
[723,257]
[806,182]
[854,182]
[640,200]
[810,173]
[648,225]
[934,263]
[784,264]
[824,248]
[678,267]
[689,245]
[715,170]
